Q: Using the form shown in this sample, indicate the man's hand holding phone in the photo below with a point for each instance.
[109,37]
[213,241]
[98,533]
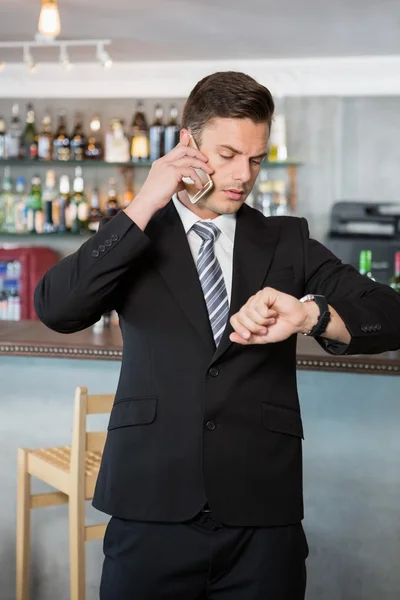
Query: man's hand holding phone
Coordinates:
[165,180]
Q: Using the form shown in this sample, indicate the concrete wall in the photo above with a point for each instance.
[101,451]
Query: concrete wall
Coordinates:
[351,479]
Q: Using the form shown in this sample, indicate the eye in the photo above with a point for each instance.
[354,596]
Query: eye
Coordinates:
[257,162]
[226,156]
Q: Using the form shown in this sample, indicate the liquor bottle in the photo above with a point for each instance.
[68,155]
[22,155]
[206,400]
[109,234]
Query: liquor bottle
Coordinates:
[3,296]
[45,140]
[280,202]
[157,137]
[264,197]
[61,143]
[62,204]
[95,213]
[172,130]
[14,134]
[112,206]
[78,207]
[29,139]
[94,148]
[49,201]
[3,139]
[34,212]
[140,147]
[365,263]
[277,142]
[14,301]
[395,280]
[78,140]
[8,203]
[117,147]
[21,206]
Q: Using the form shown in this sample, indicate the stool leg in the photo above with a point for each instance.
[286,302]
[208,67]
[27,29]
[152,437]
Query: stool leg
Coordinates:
[77,545]
[23,526]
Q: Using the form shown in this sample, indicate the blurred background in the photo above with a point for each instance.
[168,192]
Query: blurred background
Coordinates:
[90,94]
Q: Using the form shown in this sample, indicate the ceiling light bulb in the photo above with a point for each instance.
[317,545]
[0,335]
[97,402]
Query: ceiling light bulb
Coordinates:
[2,65]
[49,20]
[95,123]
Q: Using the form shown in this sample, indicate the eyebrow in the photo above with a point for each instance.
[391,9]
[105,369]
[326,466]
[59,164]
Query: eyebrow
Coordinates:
[262,155]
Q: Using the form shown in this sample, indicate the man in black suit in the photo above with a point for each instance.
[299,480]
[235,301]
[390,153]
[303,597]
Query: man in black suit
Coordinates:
[202,467]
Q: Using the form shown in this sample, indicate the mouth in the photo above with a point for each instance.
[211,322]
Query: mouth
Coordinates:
[234,194]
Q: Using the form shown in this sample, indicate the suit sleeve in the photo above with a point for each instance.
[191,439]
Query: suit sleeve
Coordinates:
[370,310]
[78,290]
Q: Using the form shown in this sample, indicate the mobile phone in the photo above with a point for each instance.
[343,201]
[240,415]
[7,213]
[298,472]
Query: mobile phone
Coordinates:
[192,190]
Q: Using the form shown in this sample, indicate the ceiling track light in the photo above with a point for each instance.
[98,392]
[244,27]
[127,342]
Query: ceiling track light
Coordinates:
[64,59]
[28,59]
[101,53]
[103,56]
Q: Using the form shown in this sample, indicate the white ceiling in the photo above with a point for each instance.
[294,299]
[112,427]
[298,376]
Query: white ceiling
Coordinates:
[165,30]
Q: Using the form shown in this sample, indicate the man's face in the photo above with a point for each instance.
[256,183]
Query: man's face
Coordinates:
[235,149]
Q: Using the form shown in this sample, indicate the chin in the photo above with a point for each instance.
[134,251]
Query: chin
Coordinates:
[224,205]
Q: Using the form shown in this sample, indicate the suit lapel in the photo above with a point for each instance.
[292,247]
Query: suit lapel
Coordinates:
[175,263]
[255,241]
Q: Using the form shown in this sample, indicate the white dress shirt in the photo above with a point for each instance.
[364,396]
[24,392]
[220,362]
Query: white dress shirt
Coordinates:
[223,244]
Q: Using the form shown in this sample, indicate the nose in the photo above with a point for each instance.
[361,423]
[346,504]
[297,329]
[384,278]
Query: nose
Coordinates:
[241,170]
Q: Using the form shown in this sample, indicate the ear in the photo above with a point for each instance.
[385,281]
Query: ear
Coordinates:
[183,133]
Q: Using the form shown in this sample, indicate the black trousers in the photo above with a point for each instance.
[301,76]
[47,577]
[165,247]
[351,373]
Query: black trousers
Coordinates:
[202,560]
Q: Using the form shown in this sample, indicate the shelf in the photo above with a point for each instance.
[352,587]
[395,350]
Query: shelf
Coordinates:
[46,235]
[70,163]
[281,164]
[103,163]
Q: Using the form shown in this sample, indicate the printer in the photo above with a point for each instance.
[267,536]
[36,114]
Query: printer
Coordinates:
[356,226]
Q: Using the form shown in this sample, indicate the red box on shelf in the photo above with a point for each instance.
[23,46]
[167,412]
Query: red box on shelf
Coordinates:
[34,261]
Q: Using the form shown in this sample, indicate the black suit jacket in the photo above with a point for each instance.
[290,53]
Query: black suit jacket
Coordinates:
[192,423]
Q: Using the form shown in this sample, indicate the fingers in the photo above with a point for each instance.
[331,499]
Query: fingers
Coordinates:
[253,340]
[193,162]
[190,172]
[182,150]
[246,325]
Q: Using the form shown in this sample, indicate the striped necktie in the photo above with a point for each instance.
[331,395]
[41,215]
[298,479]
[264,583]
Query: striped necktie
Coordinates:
[211,278]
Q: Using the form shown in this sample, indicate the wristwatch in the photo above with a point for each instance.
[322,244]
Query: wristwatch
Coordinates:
[324,314]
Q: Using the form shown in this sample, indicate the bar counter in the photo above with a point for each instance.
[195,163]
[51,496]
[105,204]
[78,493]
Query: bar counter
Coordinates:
[32,338]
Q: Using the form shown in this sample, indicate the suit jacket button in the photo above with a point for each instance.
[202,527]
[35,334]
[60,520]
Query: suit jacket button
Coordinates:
[114,237]
[95,253]
[213,372]
[210,425]
[102,248]
[108,243]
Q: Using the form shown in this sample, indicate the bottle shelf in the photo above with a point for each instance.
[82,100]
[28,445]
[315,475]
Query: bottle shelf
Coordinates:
[14,162]
[54,235]
[102,163]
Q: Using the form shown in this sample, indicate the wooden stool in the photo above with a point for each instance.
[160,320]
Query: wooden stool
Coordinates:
[73,471]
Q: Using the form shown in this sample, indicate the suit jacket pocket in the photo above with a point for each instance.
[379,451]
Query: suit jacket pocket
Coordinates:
[133,411]
[282,420]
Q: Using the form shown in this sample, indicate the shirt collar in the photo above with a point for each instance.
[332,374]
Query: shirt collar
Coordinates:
[226,223]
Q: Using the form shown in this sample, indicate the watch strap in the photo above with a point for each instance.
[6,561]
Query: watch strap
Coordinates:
[324,314]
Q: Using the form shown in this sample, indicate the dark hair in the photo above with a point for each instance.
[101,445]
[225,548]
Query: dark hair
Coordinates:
[227,94]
